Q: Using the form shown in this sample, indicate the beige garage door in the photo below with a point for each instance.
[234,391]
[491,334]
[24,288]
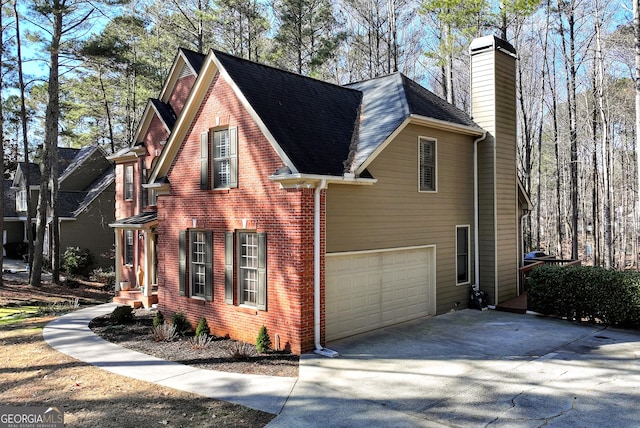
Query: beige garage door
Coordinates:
[372,289]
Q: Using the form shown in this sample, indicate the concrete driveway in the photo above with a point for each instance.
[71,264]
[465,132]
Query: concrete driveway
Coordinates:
[472,369]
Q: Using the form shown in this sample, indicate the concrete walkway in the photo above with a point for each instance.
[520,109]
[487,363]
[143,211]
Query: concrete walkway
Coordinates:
[461,369]
[71,335]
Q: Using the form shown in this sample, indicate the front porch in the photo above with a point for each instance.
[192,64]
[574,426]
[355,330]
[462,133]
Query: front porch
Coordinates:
[136,298]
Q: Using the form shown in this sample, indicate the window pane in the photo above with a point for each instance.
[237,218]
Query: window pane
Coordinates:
[249,267]
[462,254]
[198,260]
[221,144]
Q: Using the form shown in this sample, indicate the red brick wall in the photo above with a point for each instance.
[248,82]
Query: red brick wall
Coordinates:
[155,135]
[180,93]
[286,215]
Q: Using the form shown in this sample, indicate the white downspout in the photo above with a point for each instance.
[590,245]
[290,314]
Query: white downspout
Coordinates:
[316,273]
[476,214]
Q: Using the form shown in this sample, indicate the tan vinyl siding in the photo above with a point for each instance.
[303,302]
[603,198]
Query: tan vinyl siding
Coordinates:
[91,229]
[494,109]
[393,214]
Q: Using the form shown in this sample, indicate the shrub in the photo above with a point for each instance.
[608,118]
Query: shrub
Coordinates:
[179,320]
[75,260]
[122,315]
[263,342]
[586,293]
[200,341]
[241,350]
[202,328]
[163,332]
[105,276]
[158,319]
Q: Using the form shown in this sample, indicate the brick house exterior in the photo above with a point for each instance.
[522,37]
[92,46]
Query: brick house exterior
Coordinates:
[267,198]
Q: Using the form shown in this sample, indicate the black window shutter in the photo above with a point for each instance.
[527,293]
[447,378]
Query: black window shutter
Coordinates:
[208,264]
[204,160]
[228,268]
[233,157]
[183,262]
[261,299]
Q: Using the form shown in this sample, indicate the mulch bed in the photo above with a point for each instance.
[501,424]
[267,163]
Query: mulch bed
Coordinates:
[220,354]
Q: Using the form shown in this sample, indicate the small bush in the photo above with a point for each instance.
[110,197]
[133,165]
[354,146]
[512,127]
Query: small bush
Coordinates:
[164,332]
[105,276]
[263,342]
[202,328]
[75,260]
[200,341]
[586,293]
[122,315]
[158,319]
[179,320]
[241,350]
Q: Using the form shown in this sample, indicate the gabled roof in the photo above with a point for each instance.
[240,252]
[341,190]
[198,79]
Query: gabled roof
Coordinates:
[165,113]
[195,59]
[311,120]
[316,127]
[66,158]
[389,101]
[73,203]
[81,156]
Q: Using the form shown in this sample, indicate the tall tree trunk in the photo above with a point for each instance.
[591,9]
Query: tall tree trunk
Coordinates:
[25,137]
[1,145]
[636,32]
[556,137]
[606,150]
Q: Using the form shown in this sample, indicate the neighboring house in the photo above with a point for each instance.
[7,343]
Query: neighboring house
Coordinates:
[85,200]
[319,211]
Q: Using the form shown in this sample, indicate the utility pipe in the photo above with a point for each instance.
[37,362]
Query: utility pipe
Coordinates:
[476,214]
[316,272]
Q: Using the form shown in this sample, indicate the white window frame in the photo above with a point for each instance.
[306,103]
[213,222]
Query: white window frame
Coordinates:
[221,168]
[128,183]
[197,262]
[428,140]
[459,253]
[21,200]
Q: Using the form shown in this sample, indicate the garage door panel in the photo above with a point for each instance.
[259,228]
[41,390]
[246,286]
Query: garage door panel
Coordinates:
[369,290]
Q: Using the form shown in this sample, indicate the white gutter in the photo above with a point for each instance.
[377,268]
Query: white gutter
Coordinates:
[476,213]
[316,273]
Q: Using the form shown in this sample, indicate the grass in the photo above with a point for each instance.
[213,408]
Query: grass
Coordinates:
[33,374]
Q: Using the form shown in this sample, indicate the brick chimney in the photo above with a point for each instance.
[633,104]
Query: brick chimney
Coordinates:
[493,107]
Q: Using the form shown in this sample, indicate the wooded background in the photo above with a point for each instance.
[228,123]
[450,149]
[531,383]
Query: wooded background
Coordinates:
[80,72]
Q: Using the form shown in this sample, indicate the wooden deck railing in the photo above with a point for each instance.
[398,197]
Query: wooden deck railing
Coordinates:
[539,261]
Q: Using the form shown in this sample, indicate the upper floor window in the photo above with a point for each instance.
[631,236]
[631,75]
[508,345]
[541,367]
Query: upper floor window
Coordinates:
[21,200]
[462,255]
[427,160]
[128,182]
[219,159]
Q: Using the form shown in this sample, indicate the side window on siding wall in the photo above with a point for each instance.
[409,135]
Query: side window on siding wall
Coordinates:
[462,255]
[427,164]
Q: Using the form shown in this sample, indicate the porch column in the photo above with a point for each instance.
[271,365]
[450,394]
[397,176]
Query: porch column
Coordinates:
[147,262]
[118,258]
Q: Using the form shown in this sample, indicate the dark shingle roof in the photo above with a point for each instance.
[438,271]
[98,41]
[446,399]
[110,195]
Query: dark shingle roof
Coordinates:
[167,115]
[195,59]
[312,121]
[138,219]
[76,161]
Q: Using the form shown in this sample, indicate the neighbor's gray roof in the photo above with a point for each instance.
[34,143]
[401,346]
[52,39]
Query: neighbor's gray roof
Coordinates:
[73,203]
[9,199]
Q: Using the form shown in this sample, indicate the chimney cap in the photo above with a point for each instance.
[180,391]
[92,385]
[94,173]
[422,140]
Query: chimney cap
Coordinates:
[491,42]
